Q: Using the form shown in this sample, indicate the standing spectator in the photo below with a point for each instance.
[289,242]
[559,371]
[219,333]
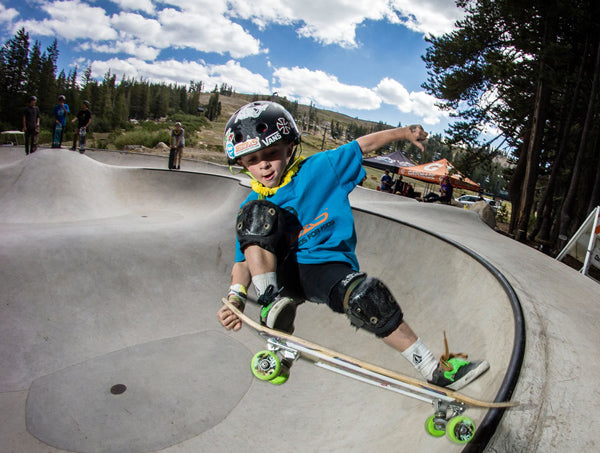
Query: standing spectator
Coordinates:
[31,125]
[386,182]
[59,112]
[177,142]
[84,118]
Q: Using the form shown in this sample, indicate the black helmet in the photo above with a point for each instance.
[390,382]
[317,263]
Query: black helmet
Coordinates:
[256,126]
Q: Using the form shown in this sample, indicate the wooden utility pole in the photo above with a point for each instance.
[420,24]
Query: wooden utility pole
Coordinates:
[323,142]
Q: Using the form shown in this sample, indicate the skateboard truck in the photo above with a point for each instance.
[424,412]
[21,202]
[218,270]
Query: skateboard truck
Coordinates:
[447,419]
[274,364]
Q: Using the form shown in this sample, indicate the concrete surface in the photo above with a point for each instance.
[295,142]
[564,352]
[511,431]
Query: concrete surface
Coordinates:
[112,274]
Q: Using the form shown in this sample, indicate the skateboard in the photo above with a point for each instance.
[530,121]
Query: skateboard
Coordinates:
[172,158]
[82,134]
[56,136]
[274,363]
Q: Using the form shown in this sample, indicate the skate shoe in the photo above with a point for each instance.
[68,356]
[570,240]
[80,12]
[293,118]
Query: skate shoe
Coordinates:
[278,312]
[455,371]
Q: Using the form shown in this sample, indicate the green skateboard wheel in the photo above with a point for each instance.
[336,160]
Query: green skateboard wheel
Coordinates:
[431,429]
[284,374]
[265,365]
[460,429]
[281,379]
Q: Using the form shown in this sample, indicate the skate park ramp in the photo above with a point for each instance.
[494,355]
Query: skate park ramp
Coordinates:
[112,271]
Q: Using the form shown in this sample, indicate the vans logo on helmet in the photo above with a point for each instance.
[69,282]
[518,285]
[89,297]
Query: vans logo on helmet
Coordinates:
[272,138]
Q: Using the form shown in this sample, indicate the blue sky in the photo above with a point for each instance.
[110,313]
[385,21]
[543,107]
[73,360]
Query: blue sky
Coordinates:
[358,57]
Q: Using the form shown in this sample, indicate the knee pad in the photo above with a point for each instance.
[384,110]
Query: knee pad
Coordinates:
[370,305]
[260,222]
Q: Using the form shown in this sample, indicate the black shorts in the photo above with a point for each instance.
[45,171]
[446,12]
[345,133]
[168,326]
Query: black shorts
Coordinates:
[313,282]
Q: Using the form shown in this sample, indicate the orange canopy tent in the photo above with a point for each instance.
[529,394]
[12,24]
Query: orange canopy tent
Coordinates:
[435,171]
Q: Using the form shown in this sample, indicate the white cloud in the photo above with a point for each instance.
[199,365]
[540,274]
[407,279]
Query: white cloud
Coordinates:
[424,107]
[71,20]
[325,21]
[241,79]
[434,17]
[208,25]
[323,89]
[7,14]
[417,103]
[182,72]
[393,92]
[336,21]
[205,33]
[198,25]
[135,5]
[137,26]
[131,47]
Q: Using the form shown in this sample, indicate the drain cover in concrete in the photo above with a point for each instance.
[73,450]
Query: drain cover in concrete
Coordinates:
[143,398]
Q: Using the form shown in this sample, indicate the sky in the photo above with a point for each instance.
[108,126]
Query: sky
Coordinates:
[357,57]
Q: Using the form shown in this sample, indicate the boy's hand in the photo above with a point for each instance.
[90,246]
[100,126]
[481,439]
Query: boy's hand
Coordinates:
[417,135]
[227,318]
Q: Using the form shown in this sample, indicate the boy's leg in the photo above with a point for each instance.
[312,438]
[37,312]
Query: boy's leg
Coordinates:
[260,231]
[34,140]
[179,155]
[370,305]
[27,141]
[278,312]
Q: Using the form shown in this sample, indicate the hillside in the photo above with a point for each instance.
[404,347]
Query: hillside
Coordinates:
[210,138]
[207,142]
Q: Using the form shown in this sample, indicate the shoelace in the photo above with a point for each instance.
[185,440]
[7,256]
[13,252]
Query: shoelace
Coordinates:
[445,358]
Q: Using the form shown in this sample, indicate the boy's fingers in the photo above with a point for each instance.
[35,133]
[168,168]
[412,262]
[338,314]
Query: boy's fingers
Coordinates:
[228,319]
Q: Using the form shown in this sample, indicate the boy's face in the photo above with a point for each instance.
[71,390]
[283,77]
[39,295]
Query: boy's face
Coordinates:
[267,166]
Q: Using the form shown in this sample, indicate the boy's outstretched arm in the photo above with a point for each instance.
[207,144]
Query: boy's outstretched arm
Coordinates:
[414,134]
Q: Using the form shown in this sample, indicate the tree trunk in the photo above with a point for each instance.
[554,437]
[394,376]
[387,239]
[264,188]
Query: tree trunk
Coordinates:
[544,219]
[532,159]
[516,183]
[595,195]
[568,208]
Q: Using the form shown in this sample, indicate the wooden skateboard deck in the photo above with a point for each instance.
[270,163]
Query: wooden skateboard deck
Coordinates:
[448,404]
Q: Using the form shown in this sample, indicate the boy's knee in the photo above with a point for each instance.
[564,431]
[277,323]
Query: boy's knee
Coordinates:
[369,304]
[260,222]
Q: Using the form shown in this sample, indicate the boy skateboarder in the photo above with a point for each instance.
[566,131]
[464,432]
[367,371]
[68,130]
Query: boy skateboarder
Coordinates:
[31,125]
[83,118]
[177,143]
[59,112]
[296,236]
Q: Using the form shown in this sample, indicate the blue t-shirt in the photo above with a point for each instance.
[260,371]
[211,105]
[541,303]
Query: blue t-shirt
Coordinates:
[318,196]
[60,113]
